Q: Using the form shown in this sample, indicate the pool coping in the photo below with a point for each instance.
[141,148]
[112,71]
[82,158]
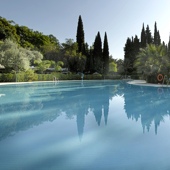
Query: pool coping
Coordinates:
[129,81]
[8,83]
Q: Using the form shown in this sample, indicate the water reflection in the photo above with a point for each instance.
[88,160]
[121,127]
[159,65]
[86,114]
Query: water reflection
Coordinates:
[149,104]
[24,106]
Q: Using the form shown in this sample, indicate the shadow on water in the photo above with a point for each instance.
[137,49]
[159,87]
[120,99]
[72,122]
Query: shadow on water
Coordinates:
[25,106]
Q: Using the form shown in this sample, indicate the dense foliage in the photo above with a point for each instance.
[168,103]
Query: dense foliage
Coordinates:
[14,57]
[22,49]
[32,49]
[152,60]
[147,56]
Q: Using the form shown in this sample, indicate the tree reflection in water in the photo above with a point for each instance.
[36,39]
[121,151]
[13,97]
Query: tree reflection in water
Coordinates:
[28,105]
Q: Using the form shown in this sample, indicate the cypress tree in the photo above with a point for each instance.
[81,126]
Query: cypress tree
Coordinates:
[157,40]
[131,50]
[136,47]
[105,55]
[155,34]
[168,48]
[143,37]
[97,54]
[128,49]
[80,36]
[149,38]
[136,44]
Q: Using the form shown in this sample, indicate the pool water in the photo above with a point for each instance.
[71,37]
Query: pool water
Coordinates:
[84,125]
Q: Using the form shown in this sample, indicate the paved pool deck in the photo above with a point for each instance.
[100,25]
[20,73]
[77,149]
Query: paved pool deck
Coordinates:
[144,83]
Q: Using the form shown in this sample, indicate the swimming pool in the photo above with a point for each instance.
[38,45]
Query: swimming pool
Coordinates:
[84,125]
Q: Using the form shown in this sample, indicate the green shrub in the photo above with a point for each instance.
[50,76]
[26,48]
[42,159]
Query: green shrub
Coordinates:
[29,75]
[93,77]
[7,77]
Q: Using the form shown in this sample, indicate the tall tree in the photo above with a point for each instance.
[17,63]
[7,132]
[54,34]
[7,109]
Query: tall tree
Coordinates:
[143,37]
[131,49]
[97,54]
[129,56]
[157,40]
[149,38]
[136,44]
[80,36]
[168,48]
[105,55]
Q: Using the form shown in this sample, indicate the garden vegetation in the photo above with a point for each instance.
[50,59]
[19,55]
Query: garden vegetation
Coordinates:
[28,55]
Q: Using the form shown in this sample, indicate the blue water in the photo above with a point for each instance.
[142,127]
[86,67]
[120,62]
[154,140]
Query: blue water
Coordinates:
[84,125]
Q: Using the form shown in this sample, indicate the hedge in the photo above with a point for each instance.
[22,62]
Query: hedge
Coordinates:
[30,76]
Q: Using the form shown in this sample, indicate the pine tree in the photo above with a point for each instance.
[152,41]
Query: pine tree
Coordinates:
[143,37]
[105,55]
[97,54]
[80,36]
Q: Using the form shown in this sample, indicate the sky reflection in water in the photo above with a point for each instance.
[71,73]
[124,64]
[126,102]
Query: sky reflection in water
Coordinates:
[84,125]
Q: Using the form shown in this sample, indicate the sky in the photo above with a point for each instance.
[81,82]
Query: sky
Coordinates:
[120,19]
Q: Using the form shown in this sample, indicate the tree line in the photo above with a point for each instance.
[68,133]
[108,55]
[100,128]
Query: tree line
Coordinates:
[147,55]
[97,57]
[76,56]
